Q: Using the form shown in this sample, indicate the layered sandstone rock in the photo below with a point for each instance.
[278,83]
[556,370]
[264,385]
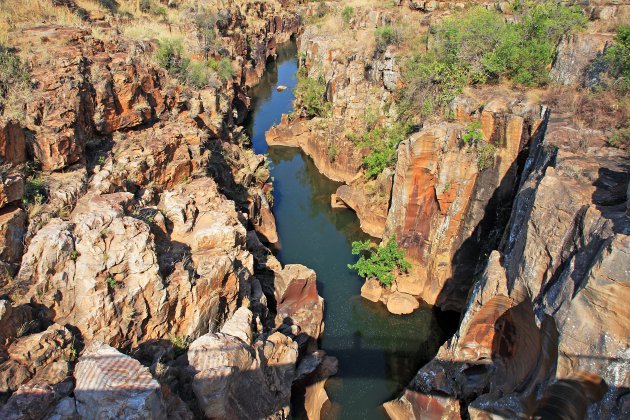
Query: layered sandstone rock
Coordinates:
[141,237]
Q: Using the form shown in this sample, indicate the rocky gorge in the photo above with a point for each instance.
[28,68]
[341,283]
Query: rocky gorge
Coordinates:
[134,282]
[144,273]
[518,243]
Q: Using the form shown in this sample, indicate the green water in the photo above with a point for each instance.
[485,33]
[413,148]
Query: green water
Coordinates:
[378,353]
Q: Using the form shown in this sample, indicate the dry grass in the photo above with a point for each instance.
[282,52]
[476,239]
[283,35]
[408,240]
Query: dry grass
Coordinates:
[601,110]
[15,14]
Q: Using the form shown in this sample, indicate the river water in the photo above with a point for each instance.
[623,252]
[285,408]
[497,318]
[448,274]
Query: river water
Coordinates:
[378,353]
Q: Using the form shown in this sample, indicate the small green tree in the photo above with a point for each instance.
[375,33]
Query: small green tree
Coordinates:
[310,95]
[379,262]
[387,35]
[382,143]
[617,58]
[205,22]
[170,55]
[347,13]
[222,67]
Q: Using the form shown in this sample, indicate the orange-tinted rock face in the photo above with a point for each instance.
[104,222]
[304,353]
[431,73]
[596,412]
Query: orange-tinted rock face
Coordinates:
[448,205]
[299,303]
[300,133]
[12,143]
[550,303]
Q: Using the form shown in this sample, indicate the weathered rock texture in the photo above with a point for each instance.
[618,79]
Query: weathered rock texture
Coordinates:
[550,303]
[450,202]
[111,385]
[137,229]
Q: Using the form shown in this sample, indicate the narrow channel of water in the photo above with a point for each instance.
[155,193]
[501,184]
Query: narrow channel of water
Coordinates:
[378,353]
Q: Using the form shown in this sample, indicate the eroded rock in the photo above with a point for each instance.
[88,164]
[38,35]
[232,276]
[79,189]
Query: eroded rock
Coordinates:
[111,385]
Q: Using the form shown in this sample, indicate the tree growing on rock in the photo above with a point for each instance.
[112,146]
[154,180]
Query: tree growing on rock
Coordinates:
[310,95]
[379,262]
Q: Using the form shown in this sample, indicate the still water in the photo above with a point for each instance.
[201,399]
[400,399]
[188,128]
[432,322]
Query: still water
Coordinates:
[378,353]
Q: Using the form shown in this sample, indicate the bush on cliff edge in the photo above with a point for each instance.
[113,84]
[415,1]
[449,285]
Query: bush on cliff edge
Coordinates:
[480,46]
[310,95]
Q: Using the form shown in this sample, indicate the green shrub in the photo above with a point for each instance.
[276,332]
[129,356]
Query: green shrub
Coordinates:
[310,95]
[382,143]
[479,46]
[222,67]
[14,83]
[485,155]
[473,133]
[170,55]
[197,74]
[620,138]
[180,344]
[34,191]
[347,13]
[387,35]
[332,152]
[379,262]
[617,58]
[485,152]
[111,282]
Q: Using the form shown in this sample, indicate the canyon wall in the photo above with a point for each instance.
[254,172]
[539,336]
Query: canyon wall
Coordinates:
[450,201]
[131,222]
[549,305]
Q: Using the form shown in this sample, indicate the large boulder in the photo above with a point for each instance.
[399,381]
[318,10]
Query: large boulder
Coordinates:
[229,372]
[40,358]
[298,301]
[111,385]
[401,303]
[372,290]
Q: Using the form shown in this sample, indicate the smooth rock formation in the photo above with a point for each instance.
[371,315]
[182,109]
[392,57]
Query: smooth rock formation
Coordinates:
[401,303]
[298,302]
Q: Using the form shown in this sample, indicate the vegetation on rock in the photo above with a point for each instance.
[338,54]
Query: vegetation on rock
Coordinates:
[382,142]
[14,84]
[618,59]
[310,95]
[380,262]
[478,46]
[385,36]
[347,13]
[198,74]
[473,133]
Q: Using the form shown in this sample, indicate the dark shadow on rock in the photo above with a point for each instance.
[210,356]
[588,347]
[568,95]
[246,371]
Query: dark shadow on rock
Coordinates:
[611,198]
